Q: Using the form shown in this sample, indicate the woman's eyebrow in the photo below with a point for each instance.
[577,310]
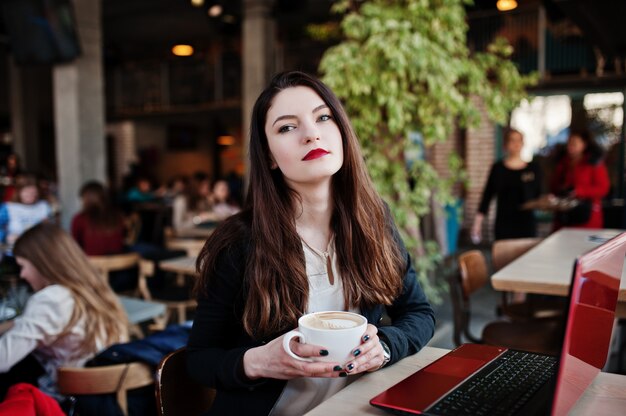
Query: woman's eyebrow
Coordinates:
[290,116]
[286,116]
[319,107]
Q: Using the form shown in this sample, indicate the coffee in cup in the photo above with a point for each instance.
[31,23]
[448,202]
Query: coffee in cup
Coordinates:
[336,331]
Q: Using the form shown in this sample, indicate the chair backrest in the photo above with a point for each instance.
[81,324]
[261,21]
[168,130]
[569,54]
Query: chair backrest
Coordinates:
[472,276]
[505,251]
[114,262]
[118,379]
[473,271]
[177,393]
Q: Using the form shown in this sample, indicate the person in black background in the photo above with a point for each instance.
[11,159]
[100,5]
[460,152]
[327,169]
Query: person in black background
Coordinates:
[513,182]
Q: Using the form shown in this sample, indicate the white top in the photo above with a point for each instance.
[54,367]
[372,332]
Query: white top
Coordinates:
[37,331]
[181,218]
[302,394]
[23,216]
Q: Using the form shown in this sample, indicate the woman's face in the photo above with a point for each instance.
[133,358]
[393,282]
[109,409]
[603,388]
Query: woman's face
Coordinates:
[575,146]
[30,273]
[514,143]
[204,187]
[220,190]
[89,199]
[29,194]
[303,137]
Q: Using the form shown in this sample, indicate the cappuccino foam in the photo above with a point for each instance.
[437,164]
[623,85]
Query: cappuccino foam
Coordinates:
[332,320]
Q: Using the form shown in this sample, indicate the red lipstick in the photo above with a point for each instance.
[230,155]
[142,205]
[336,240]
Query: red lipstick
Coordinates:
[315,153]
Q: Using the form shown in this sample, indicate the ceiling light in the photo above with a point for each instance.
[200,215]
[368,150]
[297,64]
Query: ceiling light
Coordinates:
[215,10]
[506,5]
[197,3]
[182,50]
[225,140]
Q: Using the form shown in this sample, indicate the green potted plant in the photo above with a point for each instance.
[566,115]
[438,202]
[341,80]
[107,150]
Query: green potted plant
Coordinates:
[404,71]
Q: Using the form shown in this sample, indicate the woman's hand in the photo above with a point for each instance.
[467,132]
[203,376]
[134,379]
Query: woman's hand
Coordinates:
[369,356]
[476,232]
[271,361]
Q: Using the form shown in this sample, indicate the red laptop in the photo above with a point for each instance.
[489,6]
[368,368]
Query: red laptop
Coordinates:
[486,380]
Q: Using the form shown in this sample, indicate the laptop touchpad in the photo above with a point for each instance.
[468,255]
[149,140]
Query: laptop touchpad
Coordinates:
[455,366]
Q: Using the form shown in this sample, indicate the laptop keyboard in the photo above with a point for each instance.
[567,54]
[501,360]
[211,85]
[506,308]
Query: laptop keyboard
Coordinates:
[501,388]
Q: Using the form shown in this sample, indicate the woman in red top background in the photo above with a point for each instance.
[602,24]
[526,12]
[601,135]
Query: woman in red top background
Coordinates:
[581,173]
[99,228]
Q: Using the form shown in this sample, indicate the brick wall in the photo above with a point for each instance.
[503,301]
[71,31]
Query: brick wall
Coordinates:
[476,147]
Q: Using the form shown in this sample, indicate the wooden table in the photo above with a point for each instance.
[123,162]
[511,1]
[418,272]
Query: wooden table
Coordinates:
[195,232]
[181,265]
[139,310]
[605,396]
[547,268]
[192,246]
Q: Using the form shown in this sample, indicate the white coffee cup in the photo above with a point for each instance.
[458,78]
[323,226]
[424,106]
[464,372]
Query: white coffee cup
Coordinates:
[338,332]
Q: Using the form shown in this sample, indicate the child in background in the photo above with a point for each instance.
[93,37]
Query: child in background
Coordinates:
[72,315]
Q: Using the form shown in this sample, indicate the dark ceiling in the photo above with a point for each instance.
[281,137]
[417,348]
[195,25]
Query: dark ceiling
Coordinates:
[602,22]
[142,28]
[135,28]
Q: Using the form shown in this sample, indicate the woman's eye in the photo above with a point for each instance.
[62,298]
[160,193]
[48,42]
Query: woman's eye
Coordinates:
[285,129]
[325,117]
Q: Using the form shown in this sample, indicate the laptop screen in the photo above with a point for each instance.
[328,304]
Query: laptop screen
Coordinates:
[593,299]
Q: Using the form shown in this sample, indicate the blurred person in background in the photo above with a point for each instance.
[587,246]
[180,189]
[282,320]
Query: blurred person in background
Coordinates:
[100,230]
[223,206]
[176,186]
[99,227]
[142,191]
[72,315]
[48,191]
[9,171]
[512,181]
[193,206]
[26,210]
[581,174]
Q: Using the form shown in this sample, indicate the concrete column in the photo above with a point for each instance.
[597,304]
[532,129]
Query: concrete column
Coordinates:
[24,106]
[259,40]
[79,112]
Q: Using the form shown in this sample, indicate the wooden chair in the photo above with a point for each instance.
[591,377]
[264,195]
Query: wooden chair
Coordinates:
[114,262]
[519,306]
[146,270]
[540,336]
[176,392]
[118,379]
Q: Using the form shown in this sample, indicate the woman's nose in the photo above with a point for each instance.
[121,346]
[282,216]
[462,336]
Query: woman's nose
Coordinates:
[310,133]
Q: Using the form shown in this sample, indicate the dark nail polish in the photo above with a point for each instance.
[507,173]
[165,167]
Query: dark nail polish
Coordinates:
[323,353]
[356,352]
[365,337]
[350,367]
[337,368]
[343,374]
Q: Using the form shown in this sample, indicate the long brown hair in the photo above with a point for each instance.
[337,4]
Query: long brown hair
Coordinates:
[58,258]
[368,257]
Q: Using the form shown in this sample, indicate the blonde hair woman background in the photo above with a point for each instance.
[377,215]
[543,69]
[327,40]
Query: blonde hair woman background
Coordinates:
[72,315]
